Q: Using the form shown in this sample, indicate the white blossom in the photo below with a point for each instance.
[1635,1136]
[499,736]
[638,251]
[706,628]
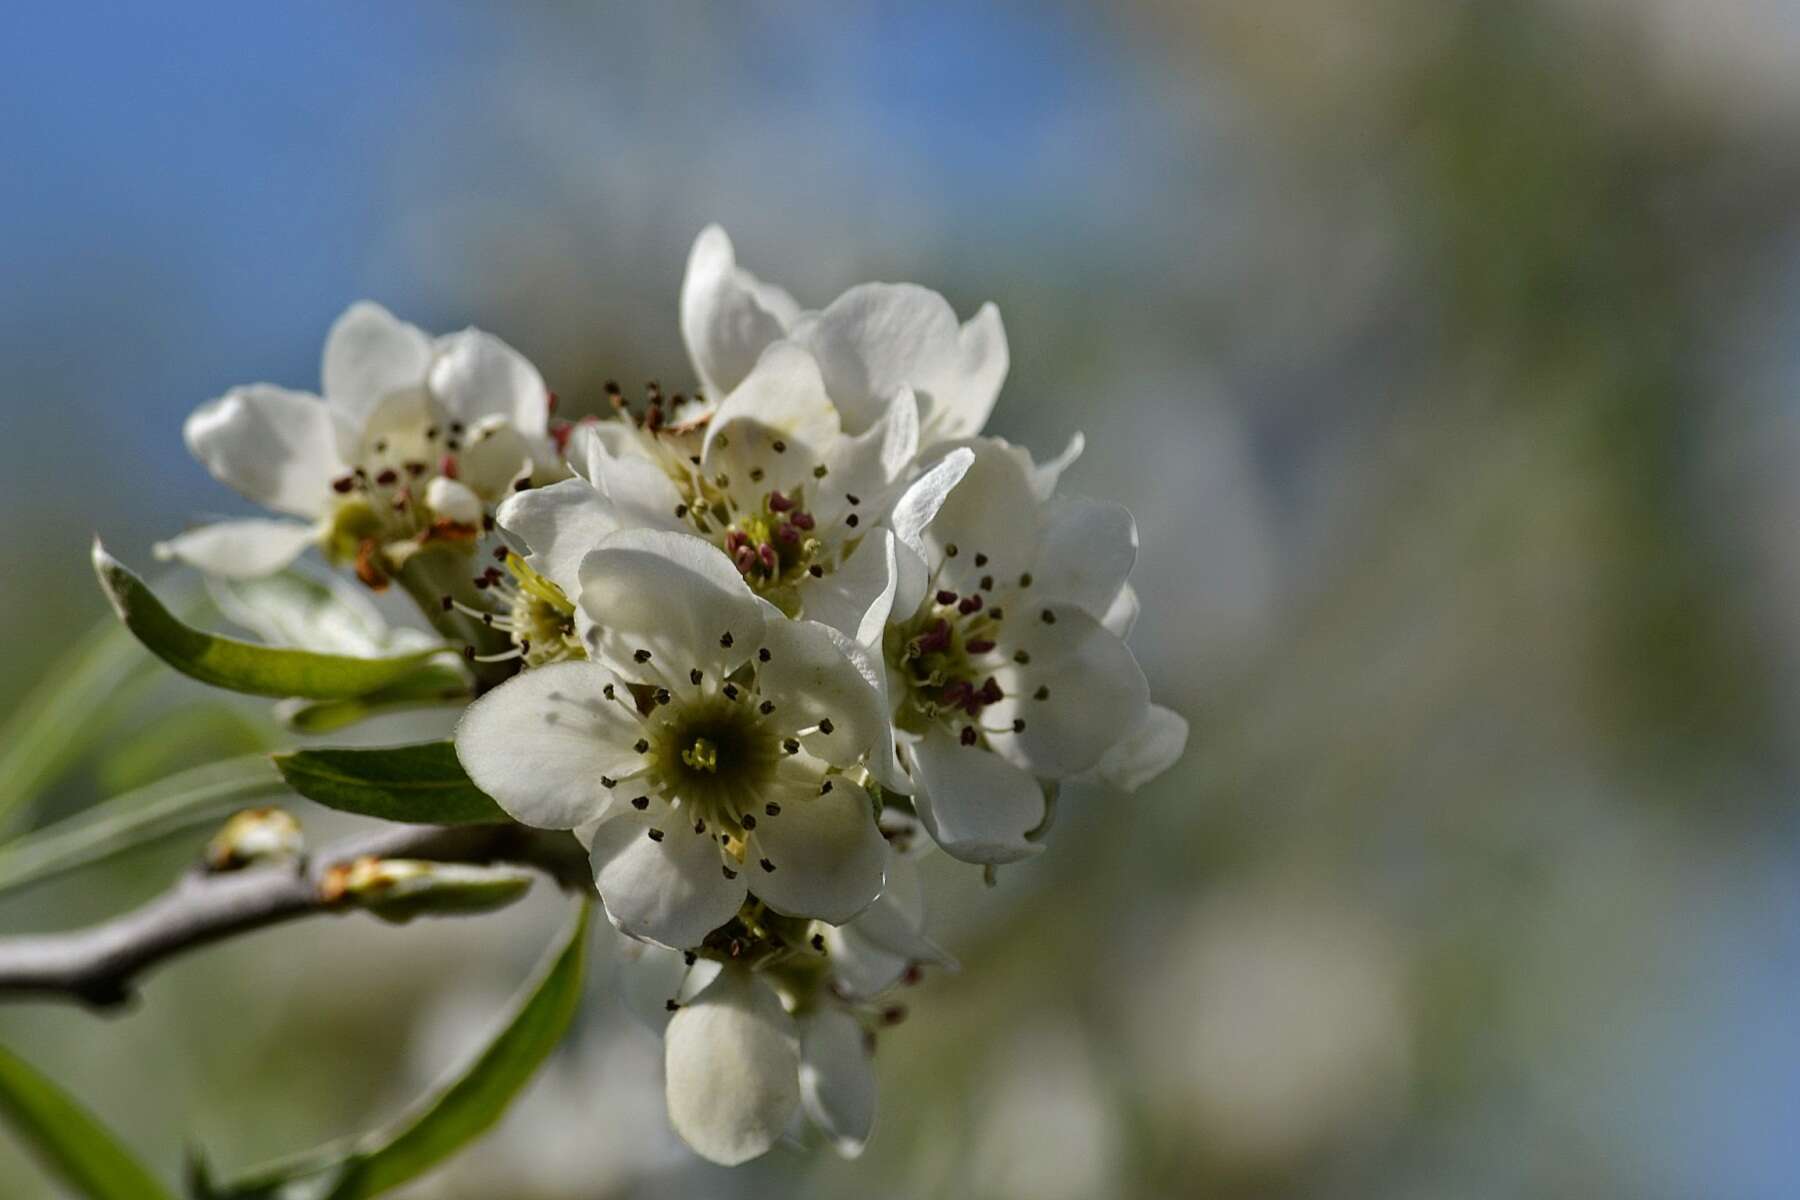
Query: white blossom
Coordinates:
[413,439]
[708,749]
[1005,661]
[874,343]
[771,479]
[773,1027]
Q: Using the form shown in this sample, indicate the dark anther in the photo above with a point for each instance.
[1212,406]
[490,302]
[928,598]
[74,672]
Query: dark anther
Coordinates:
[825,725]
[766,707]
[1025,579]
[987,583]
[946,596]
[968,735]
[729,873]
[1043,693]
[981,560]
[730,691]
[662,695]
[642,656]
[607,781]
[690,958]
[1049,617]
[950,550]
[852,520]
[725,639]
[779,446]
[825,788]
[694,677]
[818,941]
[656,835]
[642,745]
[762,655]
[749,822]
[672,1005]
[640,802]
[791,745]
[772,809]
[766,865]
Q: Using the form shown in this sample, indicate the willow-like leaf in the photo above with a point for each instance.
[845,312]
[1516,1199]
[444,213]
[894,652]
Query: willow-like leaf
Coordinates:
[244,666]
[419,784]
[70,1142]
[461,1109]
[132,818]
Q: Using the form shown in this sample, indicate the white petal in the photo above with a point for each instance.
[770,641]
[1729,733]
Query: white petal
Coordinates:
[649,977]
[453,501]
[276,447]
[896,922]
[810,678]
[782,399]
[1148,749]
[728,316]
[1096,692]
[879,337]
[1045,476]
[640,492]
[1122,613]
[672,594]
[924,498]
[975,804]
[540,743]
[960,405]
[858,597]
[869,466]
[672,890]
[826,850]
[477,375]
[733,1069]
[860,968]
[837,1079]
[992,511]
[1087,551]
[493,457]
[369,353]
[244,549]
[561,525]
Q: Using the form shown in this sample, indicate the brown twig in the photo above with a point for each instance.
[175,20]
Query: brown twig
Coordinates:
[99,965]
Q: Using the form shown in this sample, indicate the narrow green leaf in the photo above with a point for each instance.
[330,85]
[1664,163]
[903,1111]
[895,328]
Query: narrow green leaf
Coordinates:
[138,816]
[431,685]
[419,784]
[57,720]
[75,1147]
[244,666]
[461,1109]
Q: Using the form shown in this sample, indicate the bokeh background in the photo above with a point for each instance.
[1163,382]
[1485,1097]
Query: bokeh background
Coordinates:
[1446,352]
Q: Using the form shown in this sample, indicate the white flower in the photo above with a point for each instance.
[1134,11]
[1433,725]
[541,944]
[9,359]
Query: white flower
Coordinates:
[772,480]
[874,343]
[1005,659]
[710,748]
[772,1024]
[413,439]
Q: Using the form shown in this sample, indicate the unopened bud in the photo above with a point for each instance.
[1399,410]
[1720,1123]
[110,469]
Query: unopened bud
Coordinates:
[253,835]
[399,889]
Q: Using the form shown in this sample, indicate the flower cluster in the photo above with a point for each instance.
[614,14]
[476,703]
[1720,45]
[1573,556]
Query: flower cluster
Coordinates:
[760,647]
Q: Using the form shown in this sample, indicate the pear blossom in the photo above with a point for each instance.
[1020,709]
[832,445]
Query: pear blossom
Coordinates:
[873,344]
[770,1026]
[414,440]
[797,505]
[707,749]
[1005,661]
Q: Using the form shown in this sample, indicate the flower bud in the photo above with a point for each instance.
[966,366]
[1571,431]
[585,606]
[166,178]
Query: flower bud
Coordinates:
[399,889]
[253,835]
